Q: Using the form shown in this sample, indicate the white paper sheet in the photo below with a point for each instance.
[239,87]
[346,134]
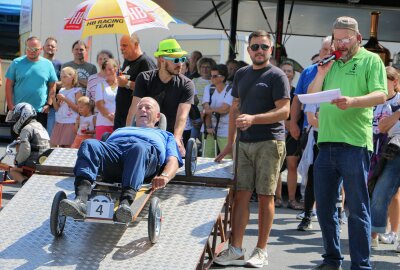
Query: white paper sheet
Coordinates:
[320,97]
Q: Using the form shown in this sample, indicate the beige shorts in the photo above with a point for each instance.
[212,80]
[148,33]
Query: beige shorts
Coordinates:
[259,165]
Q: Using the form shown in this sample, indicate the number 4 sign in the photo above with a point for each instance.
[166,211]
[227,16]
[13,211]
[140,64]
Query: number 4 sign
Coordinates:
[101,209]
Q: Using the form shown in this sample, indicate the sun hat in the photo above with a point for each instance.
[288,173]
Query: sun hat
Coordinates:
[169,47]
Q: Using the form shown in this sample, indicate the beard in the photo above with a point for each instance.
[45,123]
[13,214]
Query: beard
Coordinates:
[173,71]
[260,62]
[351,52]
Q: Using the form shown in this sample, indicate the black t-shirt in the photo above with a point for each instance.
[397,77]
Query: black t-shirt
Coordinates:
[123,99]
[258,90]
[179,89]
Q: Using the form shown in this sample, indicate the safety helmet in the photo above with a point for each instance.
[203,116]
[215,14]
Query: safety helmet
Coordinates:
[21,115]
[169,47]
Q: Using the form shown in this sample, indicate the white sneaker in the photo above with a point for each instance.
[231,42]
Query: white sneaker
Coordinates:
[258,258]
[300,216]
[388,238]
[398,247]
[374,242]
[231,256]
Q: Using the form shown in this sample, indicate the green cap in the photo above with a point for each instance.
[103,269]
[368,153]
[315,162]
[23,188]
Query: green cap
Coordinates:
[169,47]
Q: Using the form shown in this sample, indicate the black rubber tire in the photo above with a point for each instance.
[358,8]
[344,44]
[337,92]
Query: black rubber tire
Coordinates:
[191,157]
[154,220]
[57,221]
[44,156]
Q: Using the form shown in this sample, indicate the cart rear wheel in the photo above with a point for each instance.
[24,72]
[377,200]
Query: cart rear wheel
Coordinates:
[155,218]
[191,157]
[57,221]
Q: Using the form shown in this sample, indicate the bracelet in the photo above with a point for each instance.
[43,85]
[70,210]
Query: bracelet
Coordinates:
[47,104]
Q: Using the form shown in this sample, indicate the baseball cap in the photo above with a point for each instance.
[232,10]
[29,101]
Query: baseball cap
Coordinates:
[169,47]
[345,22]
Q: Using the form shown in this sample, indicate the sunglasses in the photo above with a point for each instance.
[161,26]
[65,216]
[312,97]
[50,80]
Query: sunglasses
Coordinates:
[32,49]
[255,47]
[217,76]
[175,60]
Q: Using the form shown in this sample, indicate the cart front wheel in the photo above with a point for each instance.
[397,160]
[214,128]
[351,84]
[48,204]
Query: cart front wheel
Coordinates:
[57,221]
[191,157]
[155,218]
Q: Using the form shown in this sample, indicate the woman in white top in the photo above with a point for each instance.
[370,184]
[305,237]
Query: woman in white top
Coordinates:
[105,98]
[95,79]
[217,100]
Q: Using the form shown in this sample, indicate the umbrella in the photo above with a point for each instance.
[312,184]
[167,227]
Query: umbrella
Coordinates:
[96,17]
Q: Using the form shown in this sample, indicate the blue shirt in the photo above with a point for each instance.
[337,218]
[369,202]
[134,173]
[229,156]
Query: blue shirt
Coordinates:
[30,80]
[306,77]
[162,140]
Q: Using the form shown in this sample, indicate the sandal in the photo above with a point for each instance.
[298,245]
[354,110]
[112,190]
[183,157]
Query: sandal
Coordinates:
[278,203]
[293,204]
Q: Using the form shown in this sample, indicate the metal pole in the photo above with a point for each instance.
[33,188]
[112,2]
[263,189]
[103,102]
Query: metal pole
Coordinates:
[280,13]
[234,16]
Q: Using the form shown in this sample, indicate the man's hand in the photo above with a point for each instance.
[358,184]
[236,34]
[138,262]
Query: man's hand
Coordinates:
[294,130]
[244,121]
[122,80]
[46,108]
[343,102]
[226,151]
[181,147]
[160,182]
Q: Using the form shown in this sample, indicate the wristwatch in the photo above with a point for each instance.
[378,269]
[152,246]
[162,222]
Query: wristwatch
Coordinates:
[128,85]
[165,174]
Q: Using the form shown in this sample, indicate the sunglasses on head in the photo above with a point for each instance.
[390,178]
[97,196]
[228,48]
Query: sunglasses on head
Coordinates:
[175,60]
[33,49]
[255,47]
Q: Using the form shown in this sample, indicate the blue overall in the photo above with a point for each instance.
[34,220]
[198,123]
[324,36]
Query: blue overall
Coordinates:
[130,155]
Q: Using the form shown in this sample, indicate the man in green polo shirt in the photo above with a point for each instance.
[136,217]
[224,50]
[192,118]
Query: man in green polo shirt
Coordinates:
[345,143]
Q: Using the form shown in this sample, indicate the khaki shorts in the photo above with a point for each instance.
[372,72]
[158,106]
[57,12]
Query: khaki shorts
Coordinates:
[259,165]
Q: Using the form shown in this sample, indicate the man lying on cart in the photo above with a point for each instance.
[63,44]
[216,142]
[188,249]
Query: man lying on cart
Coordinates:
[130,155]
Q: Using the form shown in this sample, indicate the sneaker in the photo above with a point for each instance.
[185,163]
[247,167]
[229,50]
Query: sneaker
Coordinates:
[258,258]
[300,216]
[305,225]
[327,267]
[374,242]
[124,214]
[397,249]
[388,238]
[75,209]
[230,256]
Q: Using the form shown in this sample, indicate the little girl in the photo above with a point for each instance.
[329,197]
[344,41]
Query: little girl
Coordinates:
[85,122]
[63,134]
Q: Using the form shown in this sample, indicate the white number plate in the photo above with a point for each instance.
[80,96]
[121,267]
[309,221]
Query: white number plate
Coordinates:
[100,209]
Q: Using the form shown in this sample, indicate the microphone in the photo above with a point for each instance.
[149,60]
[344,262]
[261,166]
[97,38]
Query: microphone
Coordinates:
[334,56]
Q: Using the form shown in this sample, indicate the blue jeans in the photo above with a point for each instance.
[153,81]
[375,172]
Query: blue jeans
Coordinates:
[51,120]
[128,159]
[385,188]
[337,163]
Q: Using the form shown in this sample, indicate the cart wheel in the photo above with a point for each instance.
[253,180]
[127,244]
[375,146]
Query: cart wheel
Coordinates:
[42,158]
[191,157]
[57,221]
[155,218]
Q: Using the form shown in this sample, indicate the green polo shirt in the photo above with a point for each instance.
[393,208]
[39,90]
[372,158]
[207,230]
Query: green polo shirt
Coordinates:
[361,75]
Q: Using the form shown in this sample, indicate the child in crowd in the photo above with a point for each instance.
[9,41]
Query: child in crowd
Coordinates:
[65,104]
[85,122]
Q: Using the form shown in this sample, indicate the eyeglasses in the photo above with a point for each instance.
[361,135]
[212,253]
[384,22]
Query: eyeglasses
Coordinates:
[33,49]
[343,41]
[217,76]
[175,60]
[255,47]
